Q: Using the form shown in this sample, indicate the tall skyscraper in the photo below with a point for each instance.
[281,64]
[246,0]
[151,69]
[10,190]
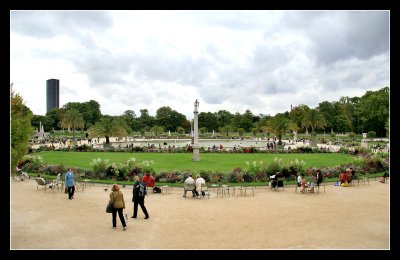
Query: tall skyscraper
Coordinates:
[53,93]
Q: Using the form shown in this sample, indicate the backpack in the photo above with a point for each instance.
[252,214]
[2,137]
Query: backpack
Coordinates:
[142,189]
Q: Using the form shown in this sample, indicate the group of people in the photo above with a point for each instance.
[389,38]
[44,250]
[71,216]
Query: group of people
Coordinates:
[196,184]
[315,182]
[138,195]
[140,189]
[346,177]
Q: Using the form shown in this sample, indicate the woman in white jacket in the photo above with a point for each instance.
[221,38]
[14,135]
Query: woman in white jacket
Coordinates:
[199,181]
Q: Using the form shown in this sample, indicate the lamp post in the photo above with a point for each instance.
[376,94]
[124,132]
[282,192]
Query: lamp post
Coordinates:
[196,153]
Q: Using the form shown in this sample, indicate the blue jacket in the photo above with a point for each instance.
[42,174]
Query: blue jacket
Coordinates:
[69,179]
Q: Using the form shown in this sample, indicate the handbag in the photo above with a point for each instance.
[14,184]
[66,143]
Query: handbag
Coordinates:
[66,190]
[109,207]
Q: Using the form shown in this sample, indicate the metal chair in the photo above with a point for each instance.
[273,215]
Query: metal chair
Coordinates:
[164,188]
[149,187]
[251,188]
[240,188]
[204,189]
[189,187]
[44,183]
[223,189]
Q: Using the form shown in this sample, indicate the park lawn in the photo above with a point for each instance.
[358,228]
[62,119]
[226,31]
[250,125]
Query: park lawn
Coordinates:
[216,162]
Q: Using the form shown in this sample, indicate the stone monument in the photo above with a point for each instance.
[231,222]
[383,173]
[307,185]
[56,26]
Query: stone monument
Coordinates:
[196,152]
[364,141]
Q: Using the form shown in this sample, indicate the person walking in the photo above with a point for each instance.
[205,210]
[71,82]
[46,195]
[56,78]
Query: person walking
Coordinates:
[117,199]
[70,183]
[139,192]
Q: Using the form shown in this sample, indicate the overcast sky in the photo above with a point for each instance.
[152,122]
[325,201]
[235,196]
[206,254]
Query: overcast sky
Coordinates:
[264,61]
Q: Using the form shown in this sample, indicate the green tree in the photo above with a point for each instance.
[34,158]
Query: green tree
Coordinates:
[169,119]
[21,129]
[180,130]
[315,120]
[279,125]
[240,132]
[46,121]
[343,123]
[327,109]
[246,121]
[374,111]
[145,120]
[208,120]
[157,130]
[299,115]
[224,118]
[129,117]
[225,130]
[254,131]
[56,115]
[107,127]
[203,130]
[90,111]
[73,120]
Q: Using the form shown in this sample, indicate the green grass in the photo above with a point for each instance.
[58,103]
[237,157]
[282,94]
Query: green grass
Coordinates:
[183,161]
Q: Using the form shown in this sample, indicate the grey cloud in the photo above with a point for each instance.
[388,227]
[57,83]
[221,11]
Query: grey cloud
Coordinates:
[43,24]
[268,58]
[185,70]
[103,67]
[355,73]
[342,34]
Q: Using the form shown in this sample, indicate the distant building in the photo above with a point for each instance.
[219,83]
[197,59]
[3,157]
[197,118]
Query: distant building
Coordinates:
[53,94]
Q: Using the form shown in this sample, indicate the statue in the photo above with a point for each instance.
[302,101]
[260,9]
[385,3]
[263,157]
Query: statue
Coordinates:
[196,106]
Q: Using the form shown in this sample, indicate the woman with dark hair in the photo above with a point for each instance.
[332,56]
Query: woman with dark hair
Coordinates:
[70,183]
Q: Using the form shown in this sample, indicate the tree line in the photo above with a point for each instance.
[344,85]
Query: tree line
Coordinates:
[349,114]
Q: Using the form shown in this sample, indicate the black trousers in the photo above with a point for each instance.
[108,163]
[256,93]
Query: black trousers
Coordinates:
[197,193]
[121,216]
[71,191]
[139,200]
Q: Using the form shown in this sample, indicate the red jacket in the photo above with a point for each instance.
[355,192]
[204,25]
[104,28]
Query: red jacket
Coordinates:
[343,177]
[148,180]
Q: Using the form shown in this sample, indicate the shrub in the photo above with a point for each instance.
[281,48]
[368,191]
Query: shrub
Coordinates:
[247,177]
[371,134]
[99,167]
[274,166]
[236,175]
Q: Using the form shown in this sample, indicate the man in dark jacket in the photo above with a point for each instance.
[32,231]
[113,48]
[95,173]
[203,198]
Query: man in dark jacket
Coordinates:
[139,192]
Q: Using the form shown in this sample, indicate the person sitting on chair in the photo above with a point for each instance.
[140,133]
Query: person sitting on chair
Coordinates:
[189,180]
[350,174]
[303,183]
[199,181]
[148,180]
[22,174]
[343,176]
[274,181]
[279,182]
